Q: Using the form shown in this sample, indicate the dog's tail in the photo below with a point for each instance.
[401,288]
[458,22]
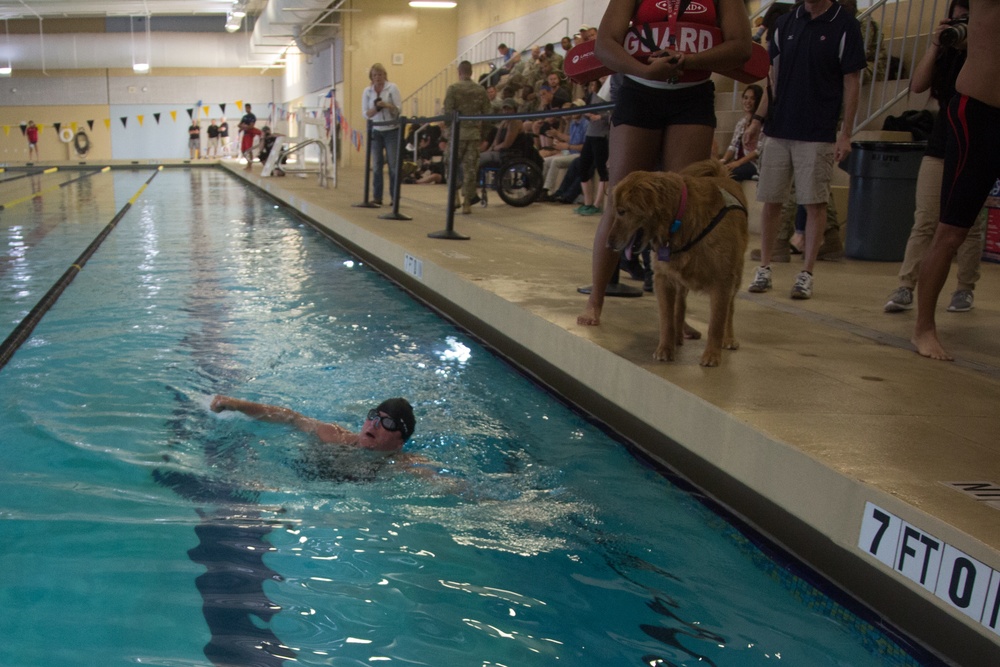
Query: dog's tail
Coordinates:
[709,168]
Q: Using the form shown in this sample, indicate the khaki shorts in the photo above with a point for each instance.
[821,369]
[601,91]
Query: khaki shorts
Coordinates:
[808,163]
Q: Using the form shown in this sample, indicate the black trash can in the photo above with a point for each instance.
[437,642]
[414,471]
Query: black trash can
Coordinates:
[881,200]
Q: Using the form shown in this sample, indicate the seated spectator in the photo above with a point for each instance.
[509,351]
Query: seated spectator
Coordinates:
[552,58]
[530,102]
[559,88]
[532,68]
[430,165]
[741,157]
[508,139]
[267,140]
[495,99]
[567,144]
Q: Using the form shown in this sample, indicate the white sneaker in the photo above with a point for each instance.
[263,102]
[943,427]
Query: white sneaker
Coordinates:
[961,301]
[761,280]
[803,288]
[901,299]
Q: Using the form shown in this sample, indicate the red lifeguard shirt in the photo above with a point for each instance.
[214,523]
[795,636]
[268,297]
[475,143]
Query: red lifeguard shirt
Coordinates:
[689,39]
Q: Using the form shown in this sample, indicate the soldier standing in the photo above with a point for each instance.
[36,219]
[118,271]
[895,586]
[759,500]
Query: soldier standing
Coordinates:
[468,98]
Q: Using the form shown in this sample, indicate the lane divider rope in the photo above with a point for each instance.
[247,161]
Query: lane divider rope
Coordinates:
[24,328]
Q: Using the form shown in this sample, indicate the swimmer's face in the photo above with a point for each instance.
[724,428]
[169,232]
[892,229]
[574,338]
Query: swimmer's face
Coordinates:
[376,436]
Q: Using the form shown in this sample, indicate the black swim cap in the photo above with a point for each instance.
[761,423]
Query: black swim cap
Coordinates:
[400,410]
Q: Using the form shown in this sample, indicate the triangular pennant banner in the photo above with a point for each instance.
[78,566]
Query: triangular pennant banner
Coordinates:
[190,114]
[157,117]
[173,115]
[140,120]
[124,121]
[239,104]
[73,126]
[57,126]
[24,128]
[107,123]
[205,108]
[6,130]
[90,124]
[223,107]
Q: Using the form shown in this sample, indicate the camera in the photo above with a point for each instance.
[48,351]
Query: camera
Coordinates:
[955,34]
[378,102]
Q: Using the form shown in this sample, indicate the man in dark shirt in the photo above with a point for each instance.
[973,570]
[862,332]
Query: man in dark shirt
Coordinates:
[817,54]
[213,140]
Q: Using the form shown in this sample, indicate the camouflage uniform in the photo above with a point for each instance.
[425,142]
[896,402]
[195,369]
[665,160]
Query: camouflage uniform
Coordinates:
[468,98]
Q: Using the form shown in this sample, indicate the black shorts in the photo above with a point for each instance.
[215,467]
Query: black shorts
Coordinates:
[594,156]
[657,108]
[971,159]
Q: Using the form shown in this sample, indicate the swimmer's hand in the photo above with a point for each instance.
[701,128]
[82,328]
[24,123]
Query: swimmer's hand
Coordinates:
[220,403]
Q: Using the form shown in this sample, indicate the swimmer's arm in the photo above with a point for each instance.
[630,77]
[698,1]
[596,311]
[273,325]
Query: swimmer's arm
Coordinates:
[279,415]
[424,468]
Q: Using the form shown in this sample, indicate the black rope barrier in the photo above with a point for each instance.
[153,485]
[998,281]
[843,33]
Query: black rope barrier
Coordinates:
[615,287]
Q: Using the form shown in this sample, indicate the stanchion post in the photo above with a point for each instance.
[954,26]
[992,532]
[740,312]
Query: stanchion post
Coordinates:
[368,168]
[397,181]
[449,230]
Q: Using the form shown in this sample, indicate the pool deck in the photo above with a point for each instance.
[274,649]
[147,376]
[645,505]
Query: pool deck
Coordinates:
[824,430]
[823,409]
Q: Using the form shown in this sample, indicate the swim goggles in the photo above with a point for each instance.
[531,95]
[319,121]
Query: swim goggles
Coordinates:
[388,423]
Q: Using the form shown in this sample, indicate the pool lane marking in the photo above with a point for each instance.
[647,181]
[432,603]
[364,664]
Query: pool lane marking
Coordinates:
[26,174]
[24,328]
[54,187]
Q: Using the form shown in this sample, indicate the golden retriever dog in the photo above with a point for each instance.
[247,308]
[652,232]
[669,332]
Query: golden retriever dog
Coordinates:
[696,223]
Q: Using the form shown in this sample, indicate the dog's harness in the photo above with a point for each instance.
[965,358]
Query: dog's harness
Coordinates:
[730,203]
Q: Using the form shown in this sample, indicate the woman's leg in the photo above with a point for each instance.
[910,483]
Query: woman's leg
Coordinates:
[378,162]
[392,158]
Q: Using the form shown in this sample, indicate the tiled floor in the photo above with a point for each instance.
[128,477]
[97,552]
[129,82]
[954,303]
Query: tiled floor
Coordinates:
[825,406]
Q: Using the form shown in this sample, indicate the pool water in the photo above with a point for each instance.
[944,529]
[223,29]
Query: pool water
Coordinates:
[139,527]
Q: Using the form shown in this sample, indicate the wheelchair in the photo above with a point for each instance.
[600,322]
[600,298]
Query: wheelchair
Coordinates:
[518,181]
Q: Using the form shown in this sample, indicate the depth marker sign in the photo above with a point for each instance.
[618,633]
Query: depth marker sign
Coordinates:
[960,580]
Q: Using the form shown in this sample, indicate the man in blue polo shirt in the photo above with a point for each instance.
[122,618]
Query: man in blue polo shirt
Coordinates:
[817,54]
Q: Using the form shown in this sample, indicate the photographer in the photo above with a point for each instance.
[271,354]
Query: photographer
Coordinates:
[380,102]
[937,71]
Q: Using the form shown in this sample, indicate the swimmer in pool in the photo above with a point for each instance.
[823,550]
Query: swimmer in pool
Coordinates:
[385,429]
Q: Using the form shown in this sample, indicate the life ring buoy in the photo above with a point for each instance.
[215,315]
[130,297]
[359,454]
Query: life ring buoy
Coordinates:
[81,143]
[66,135]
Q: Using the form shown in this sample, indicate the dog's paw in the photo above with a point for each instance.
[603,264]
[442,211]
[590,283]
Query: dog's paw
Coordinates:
[731,344]
[711,358]
[664,353]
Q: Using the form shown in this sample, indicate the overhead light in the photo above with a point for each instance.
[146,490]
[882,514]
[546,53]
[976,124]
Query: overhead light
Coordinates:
[5,71]
[233,21]
[433,4]
[140,63]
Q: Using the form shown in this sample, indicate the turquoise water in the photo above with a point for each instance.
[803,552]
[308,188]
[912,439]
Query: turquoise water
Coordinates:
[138,527]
